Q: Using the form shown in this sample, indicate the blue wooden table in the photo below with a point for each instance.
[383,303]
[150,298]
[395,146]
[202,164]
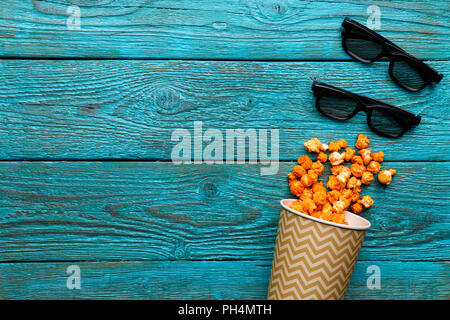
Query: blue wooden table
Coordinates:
[91,92]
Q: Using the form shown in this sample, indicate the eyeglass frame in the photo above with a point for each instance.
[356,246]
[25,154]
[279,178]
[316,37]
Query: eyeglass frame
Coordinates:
[366,104]
[389,50]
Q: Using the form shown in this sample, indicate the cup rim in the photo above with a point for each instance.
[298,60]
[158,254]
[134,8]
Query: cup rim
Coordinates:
[334,224]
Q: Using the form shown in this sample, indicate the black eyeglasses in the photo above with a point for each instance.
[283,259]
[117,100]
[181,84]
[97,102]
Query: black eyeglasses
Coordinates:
[367,46]
[383,118]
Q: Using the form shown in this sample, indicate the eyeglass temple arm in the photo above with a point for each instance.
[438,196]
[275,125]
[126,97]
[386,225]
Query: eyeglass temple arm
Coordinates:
[358,25]
[415,119]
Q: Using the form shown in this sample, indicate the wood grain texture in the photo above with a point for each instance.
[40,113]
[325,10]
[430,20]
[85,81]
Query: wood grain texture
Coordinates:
[201,29]
[99,211]
[206,280]
[129,109]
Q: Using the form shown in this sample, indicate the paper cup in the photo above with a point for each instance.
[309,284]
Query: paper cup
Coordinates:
[314,258]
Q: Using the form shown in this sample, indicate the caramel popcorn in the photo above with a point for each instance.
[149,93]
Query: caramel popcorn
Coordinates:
[338,218]
[308,179]
[306,194]
[367,178]
[344,175]
[318,187]
[296,205]
[308,205]
[355,195]
[366,201]
[353,182]
[374,167]
[298,171]
[385,176]
[378,156]
[336,146]
[322,157]
[317,167]
[339,207]
[333,183]
[296,188]
[333,196]
[344,183]
[358,160]
[362,142]
[327,212]
[305,162]
[366,155]
[335,170]
[357,170]
[357,208]
[291,176]
[320,198]
[314,145]
[336,158]
[349,153]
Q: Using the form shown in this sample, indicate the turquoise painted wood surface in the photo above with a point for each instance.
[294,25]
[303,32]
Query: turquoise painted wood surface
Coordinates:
[201,29]
[129,109]
[160,211]
[100,190]
[206,280]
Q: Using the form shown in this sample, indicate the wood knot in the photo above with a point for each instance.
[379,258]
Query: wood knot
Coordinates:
[182,251]
[276,11]
[167,100]
[208,189]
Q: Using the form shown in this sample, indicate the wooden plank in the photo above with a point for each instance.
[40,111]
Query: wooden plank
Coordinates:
[206,280]
[159,211]
[200,29]
[129,109]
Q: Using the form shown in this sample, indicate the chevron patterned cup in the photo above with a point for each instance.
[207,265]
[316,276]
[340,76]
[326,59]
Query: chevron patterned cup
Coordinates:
[314,258]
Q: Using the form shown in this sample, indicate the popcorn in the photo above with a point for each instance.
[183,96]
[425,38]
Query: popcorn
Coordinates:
[317,167]
[335,170]
[367,178]
[357,170]
[366,201]
[306,194]
[339,207]
[355,195]
[362,142]
[322,157]
[336,146]
[308,205]
[308,179]
[296,188]
[296,205]
[358,160]
[320,198]
[338,218]
[314,145]
[291,176]
[344,175]
[333,196]
[346,194]
[344,183]
[385,176]
[366,155]
[374,167]
[327,212]
[349,153]
[333,183]
[298,171]
[378,156]
[353,182]
[305,162]
[357,208]
[336,158]
[318,187]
